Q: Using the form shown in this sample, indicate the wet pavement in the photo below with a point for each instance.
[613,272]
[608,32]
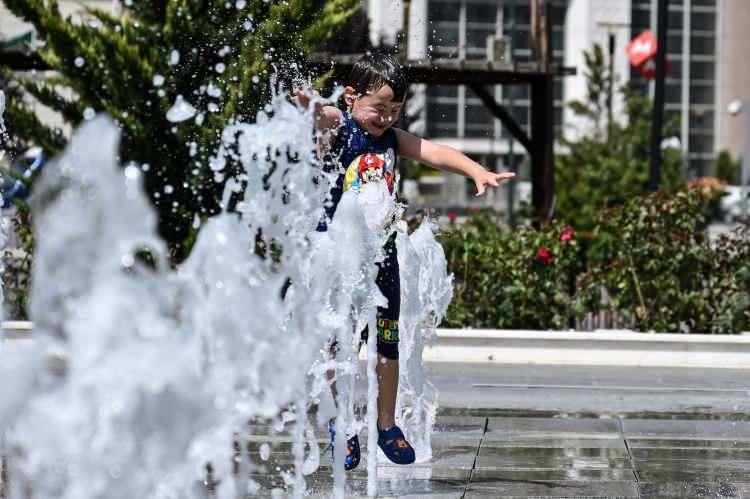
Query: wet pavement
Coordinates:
[533,455]
[546,431]
[572,431]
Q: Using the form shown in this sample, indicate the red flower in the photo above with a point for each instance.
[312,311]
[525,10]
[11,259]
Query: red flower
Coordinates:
[544,256]
[452,217]
[567,235]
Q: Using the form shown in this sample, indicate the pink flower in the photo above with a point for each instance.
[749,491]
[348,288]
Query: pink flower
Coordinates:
[567,235]
[452,217]
[544,256]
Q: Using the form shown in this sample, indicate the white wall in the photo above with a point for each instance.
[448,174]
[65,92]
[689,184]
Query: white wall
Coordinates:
[386,20]
[582,30]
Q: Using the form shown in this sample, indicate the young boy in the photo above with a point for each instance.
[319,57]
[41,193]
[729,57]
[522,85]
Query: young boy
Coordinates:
[364,142]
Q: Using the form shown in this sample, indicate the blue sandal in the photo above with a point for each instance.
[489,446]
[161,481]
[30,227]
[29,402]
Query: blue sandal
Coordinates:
[351,460]
[394,445]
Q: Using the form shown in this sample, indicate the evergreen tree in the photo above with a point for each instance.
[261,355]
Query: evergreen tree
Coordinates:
[218,55]
[611,163]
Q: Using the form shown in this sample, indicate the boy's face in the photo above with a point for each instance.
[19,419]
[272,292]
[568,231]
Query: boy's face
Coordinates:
[376,111]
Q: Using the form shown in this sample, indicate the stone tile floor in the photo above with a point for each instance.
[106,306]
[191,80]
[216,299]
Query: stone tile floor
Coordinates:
[551,455]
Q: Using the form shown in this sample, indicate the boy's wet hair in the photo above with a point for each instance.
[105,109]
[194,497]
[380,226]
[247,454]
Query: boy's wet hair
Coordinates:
[375,69]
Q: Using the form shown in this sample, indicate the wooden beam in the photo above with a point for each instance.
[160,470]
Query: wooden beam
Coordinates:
[450,71]
[504,116]
[542,114]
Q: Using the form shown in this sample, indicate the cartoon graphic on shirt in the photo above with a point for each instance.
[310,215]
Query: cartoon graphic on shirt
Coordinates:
[370,167]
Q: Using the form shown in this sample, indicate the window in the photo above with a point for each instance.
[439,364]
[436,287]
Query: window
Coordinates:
[702,21]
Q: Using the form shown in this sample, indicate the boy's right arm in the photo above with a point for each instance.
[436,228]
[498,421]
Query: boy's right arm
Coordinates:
[327,118]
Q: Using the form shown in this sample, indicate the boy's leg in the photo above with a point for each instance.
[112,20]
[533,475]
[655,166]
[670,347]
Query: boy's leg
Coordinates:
[387,371]
[388,281]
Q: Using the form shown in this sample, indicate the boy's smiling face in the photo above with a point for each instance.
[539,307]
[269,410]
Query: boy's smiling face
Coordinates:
[375,111]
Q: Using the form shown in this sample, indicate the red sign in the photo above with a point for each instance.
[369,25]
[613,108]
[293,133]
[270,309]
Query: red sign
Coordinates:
[642,52]
[641,49]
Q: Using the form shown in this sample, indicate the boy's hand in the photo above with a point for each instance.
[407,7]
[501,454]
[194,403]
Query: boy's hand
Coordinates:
[304,96]
[486,178]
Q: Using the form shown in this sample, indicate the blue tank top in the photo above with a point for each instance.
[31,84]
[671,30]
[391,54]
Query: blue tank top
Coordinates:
[360,158]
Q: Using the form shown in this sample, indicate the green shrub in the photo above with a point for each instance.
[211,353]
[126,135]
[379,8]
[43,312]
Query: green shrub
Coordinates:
[511,279]
[649,262]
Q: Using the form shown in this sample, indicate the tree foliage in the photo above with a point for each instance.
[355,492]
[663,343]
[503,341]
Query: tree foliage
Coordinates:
[221,57]
[610,163]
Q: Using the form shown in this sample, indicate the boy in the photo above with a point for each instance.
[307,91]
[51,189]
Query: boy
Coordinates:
[363,141]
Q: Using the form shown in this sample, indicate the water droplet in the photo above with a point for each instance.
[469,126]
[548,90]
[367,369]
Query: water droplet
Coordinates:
[127,260]
[265,451]
[168,189]
[174,58]
[240,4]
[79,62]
[132,172]
[88,114]
[158,80]
[180,111]
[220,67]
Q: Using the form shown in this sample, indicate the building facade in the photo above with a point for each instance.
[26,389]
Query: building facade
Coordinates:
[706,42]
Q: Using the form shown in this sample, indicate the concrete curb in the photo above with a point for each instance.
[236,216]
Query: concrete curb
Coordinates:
[597,348]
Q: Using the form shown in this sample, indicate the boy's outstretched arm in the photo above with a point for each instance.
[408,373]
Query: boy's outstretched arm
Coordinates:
[447,159]
[326,117]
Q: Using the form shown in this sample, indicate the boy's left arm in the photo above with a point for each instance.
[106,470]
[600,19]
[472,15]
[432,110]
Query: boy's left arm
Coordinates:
[447,159]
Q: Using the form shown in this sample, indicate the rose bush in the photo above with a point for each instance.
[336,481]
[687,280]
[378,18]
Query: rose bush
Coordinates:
[511,279]
[649,261]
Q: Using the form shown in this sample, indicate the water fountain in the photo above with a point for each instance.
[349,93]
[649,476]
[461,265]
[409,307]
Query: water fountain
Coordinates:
[139,375]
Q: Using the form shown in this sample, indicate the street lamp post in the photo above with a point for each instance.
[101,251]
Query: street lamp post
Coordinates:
[739,107]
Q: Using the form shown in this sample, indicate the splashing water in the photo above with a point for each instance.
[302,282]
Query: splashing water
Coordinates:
[139,375]
[2,111]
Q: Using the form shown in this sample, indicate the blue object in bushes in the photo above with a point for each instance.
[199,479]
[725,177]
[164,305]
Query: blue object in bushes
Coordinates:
[25,167]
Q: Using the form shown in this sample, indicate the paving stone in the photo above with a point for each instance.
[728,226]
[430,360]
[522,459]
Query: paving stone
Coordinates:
[695,466]
[671,429]
[547,474]
[692,453]
[540,441]
[502,428]
[637,443]
[553,452]
[560,488]
[693,489]
[551,463]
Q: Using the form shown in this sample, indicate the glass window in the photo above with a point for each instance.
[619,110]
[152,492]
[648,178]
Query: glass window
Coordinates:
[674,42]
[443,11]
[444,34]
[441,129]
[701,120]
[483,13]
[674,70]
[701,142]
[702,70]
[442,112]
[674,20]
[702,94]
[641,20]
[447,91]
[702,21]
[520,14]
[702,45]
[477,37]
